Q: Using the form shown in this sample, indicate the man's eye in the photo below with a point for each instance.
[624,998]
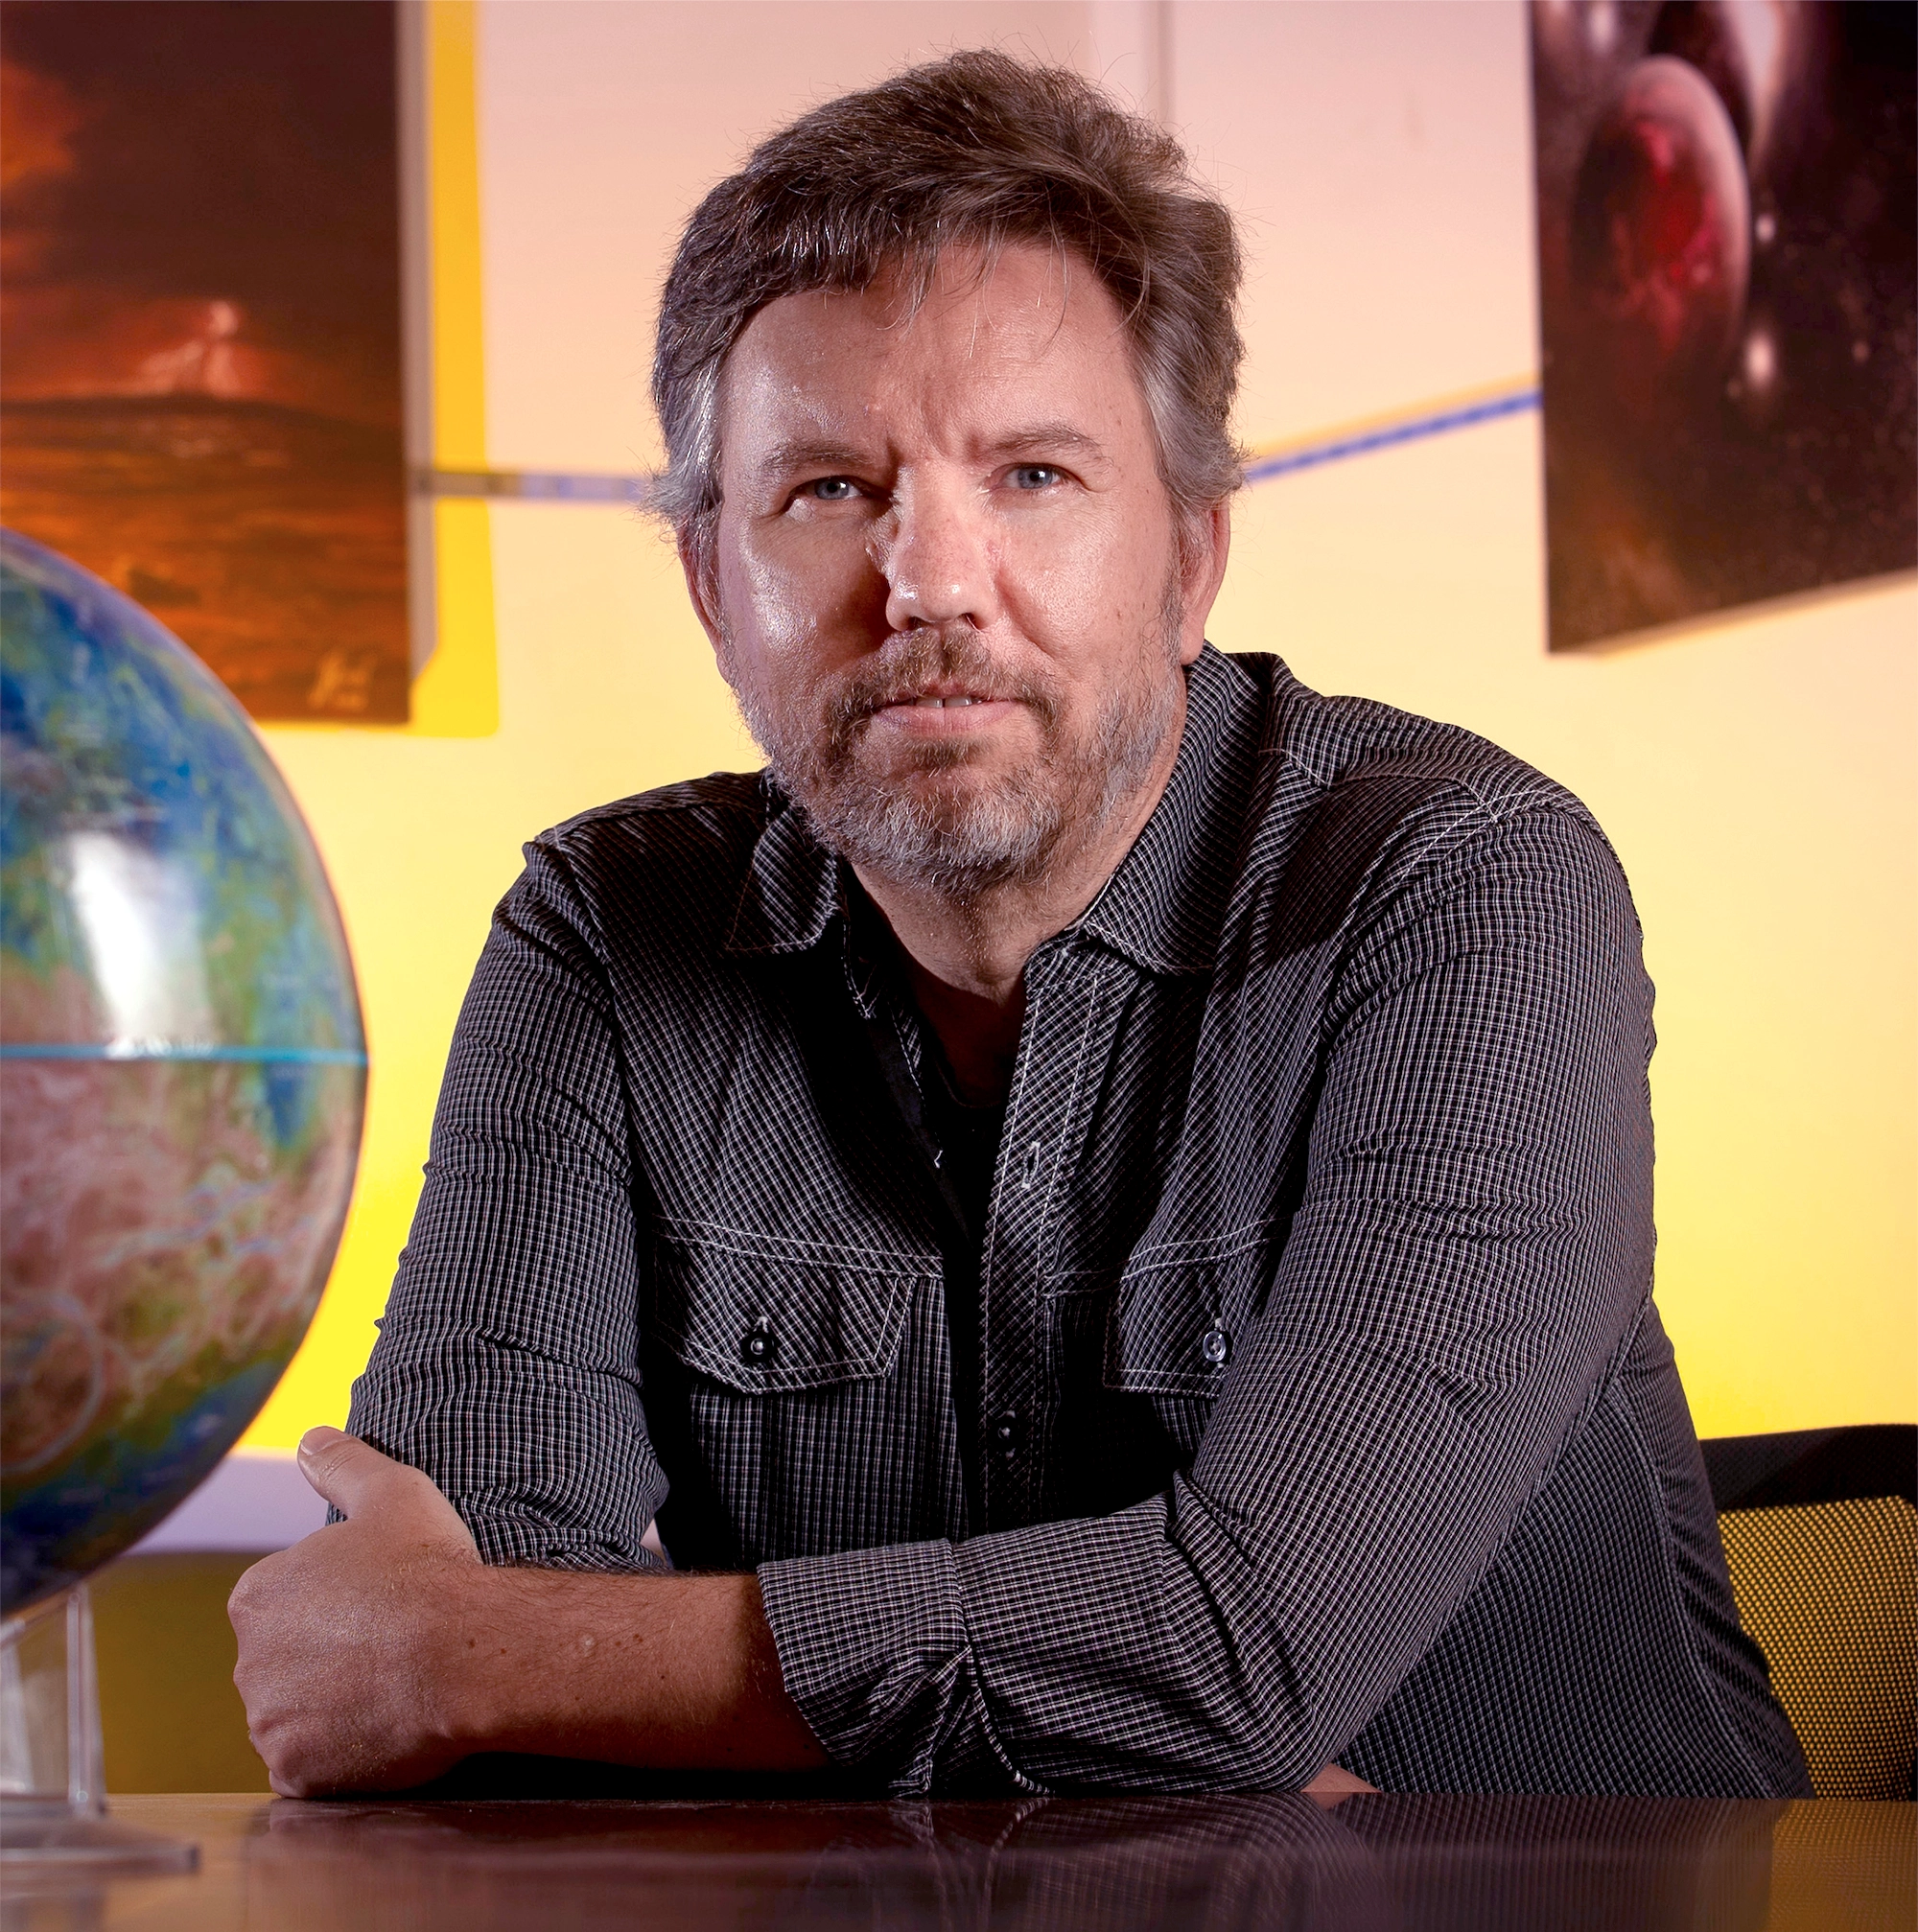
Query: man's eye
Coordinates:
[1035,477]
[832,489]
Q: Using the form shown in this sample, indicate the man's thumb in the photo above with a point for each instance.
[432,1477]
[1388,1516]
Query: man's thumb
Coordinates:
[345,1470]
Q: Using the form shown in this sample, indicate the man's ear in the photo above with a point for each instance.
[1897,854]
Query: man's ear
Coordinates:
[702,588]
[1205,544]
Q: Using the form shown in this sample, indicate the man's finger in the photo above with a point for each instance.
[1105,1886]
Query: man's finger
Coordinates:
[347,1471]
[1334,1782]
[359,1481]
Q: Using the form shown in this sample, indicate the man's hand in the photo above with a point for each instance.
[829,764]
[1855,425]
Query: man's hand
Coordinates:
[345,1664]
[379,1651]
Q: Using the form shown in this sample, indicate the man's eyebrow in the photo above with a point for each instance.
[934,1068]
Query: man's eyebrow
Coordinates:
[782,459]
[1061,436]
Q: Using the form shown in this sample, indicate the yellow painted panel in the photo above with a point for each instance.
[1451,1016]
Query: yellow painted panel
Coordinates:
[456,695]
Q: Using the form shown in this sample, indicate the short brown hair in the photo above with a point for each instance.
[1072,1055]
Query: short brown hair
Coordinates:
[979,149]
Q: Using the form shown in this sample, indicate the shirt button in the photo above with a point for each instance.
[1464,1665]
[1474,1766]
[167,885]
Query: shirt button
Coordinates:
[755,1346]
[1215,1345]
[1005,1431]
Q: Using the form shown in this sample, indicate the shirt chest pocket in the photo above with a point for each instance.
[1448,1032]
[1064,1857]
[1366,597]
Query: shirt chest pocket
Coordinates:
[764,1315]
[1180,1311]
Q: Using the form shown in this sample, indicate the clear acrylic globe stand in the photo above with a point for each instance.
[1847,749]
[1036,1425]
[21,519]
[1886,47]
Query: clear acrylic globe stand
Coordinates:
[53,1803]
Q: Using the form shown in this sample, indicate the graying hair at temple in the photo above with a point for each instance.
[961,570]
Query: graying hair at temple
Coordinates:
[977,150]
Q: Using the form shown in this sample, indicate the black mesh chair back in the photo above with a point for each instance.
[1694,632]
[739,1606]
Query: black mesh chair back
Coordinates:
[1821,1528]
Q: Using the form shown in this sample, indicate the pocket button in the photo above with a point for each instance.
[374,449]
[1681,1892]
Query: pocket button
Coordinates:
[757,1344]
[1215,1345]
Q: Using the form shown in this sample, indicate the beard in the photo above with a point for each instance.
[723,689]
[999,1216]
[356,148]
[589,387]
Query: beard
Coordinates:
[931,820]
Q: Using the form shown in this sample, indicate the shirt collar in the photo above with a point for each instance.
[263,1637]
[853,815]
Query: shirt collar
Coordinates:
[1162,908]
[791,889]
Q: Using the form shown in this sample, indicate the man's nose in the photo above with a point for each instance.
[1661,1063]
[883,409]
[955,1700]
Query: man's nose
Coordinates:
[937,559]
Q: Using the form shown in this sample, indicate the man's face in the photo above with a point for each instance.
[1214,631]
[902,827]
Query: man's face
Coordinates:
[946,587]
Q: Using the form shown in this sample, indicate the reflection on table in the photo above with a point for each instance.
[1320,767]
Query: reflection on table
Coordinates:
[1479,1864]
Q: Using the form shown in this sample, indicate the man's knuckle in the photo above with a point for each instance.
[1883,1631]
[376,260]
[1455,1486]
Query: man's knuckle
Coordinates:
[253,1584]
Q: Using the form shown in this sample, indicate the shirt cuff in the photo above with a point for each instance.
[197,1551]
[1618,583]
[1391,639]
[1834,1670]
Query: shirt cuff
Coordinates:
[873,1649]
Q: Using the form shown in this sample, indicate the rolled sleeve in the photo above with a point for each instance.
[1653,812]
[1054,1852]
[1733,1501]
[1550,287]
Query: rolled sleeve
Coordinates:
[874,1650]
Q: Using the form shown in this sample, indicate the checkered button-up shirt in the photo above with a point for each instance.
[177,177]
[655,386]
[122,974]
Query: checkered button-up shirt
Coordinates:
[1317,1407]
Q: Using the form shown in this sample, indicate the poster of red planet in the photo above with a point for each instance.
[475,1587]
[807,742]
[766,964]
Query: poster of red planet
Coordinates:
[1727,196]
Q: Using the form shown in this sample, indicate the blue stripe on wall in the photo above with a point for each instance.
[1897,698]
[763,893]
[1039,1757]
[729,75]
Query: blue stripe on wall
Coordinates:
[1408,430]
[551,486]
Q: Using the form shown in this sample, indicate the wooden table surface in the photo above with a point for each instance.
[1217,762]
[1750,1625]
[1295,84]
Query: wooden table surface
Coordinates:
[1476,1864]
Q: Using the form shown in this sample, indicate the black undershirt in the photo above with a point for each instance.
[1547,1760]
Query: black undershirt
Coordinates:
[960,1142]
[966,1136]
[964,1144]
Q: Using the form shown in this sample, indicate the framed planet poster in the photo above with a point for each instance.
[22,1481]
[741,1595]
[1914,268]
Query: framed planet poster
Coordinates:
[200,351]
[1728,277]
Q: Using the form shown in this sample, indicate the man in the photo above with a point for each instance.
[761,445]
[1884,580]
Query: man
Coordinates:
[1103,1203]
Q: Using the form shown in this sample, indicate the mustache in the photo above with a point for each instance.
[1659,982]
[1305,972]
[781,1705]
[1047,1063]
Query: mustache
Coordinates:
[910,661]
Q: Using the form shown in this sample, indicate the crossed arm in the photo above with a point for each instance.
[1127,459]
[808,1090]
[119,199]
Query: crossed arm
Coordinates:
[379,1652]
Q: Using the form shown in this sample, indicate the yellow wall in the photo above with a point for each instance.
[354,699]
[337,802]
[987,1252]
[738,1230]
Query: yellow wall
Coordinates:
[1756,775]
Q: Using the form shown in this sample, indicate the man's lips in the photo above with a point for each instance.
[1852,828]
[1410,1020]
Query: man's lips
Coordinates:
[943,712]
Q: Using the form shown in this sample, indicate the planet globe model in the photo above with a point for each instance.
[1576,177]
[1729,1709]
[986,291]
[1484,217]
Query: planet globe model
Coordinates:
[182,1073]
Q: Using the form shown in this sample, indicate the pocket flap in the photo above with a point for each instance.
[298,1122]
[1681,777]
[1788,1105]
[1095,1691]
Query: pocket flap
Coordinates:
[765,1314]
[1177,1312]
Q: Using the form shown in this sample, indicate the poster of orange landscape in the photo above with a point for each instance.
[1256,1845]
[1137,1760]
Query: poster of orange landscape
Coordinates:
[200,329]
